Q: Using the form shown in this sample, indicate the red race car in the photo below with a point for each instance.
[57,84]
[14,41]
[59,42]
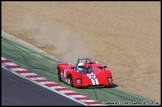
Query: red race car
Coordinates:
[85,73]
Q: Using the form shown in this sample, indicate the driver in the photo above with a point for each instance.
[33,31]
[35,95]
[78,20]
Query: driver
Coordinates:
[80,67]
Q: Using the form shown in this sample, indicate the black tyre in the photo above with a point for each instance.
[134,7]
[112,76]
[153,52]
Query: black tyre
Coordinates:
[59,75]
[70,81]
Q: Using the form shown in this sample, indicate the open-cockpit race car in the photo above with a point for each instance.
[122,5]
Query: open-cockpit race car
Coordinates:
[84,74]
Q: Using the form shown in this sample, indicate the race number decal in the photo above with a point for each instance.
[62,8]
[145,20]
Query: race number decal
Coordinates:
[65,73]
[91,75]
[93,79]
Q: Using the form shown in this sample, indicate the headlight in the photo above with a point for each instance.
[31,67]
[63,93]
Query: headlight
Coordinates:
[109,80]
[79,82]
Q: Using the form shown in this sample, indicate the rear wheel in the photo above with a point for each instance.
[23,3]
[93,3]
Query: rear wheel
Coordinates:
[70,81]
[59,75]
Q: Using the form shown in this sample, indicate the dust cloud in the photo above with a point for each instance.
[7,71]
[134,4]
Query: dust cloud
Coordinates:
[57,36]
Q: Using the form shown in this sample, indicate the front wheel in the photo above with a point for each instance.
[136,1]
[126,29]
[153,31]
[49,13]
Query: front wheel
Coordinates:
[70,81]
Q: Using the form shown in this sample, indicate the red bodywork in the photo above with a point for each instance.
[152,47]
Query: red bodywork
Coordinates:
[98,75]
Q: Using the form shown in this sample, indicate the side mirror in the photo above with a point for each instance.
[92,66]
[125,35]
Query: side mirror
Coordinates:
[72,67]
[105,66]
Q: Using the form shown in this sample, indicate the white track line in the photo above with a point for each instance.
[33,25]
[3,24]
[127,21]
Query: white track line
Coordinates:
[76,96]
[10,64]
[87,100]
[67,91]
[18,69]
[55,87]
[47,82]
[2,58]
[38,78]
[28,74]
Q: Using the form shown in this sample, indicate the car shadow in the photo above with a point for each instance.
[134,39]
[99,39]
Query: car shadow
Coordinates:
[97,87]
[113,86]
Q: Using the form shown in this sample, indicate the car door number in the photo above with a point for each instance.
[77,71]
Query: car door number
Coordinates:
[91,75]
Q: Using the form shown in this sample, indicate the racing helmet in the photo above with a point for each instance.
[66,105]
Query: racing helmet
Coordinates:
[80,66]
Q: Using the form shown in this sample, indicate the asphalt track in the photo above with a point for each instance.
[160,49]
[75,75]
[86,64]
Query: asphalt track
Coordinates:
[19,91]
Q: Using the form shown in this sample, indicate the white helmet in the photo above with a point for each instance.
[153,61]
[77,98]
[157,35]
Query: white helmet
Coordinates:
[80,66]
